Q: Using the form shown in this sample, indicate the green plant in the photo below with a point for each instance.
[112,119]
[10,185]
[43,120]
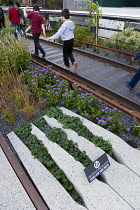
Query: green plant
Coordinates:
[94,15]
[15,55]
[128,40]
[60,137]
[24,130]
[75,124]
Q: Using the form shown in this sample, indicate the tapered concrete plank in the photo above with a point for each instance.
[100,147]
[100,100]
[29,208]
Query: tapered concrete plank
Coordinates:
[51,190]
[96,195]
[124,181]
[124,153]
[12,193]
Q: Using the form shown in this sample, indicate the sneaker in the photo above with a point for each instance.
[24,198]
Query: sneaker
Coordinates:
[75,65]
[127,84]
[66,67]
[36,54]
[138,95]
[43,56]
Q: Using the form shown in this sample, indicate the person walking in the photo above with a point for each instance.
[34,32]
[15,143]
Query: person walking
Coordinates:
[2,19]
[135,79]
[37,22]
[22,18]
[67,36]
[14,17]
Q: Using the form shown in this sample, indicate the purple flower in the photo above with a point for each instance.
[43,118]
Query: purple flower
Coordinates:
[104,123]
[46,85]
[134,120]
[128,129]
[106,108]
[48,90]
[89,101]
[102,118]
[65,94]
[103,110]
[62,102]
[109,118]
[99,121]
[115,108]
[34,83]
[99,100]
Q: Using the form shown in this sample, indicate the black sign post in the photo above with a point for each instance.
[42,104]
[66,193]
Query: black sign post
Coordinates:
[97,167]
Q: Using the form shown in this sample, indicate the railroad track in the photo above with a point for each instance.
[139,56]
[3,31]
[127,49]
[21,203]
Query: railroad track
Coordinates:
[119,187]
[103,77]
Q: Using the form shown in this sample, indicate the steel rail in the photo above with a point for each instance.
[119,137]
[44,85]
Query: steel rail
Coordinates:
[112,98]
[90,55]
[107,48]
[32,192]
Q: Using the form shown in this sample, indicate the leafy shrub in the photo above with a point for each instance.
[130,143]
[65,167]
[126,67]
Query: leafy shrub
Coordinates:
[128,40]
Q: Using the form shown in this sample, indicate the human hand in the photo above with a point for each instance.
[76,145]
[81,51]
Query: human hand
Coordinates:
[132,59]
[48,39]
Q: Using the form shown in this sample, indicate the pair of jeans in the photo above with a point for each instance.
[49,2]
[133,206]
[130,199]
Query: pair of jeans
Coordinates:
[17,26]
[67,52]
[132,83]
[37,45]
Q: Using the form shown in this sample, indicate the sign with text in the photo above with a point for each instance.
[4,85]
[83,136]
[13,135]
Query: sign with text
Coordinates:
[97,167]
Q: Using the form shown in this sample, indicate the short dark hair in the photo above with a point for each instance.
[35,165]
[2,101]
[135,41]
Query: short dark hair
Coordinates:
[11,2]
[35,7]
[17,3]
[65,13]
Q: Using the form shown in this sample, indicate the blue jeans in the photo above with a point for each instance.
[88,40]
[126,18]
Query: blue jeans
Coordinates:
[135,79]
[17,26]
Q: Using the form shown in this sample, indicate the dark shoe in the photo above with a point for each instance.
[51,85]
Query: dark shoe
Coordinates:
[36,54]
[43,56]
[127,84]
[138,95]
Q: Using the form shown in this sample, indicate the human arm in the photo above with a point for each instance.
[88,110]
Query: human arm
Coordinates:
[59,33]
[25,12]
[43,28]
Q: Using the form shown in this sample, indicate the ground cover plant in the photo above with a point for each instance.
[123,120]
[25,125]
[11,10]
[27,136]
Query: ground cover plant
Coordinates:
[39,151]
[40,88]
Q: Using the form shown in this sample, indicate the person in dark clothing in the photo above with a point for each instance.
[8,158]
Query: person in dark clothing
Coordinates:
[67,36]
[37,22]
[14,17]
[2,19]
[22,18]
[135,79]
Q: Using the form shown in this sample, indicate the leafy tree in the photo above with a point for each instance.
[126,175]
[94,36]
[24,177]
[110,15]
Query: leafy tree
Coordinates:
[95,14]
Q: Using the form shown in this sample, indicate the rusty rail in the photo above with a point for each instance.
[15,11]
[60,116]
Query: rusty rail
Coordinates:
[107,48]
[114,99]
[21,174]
